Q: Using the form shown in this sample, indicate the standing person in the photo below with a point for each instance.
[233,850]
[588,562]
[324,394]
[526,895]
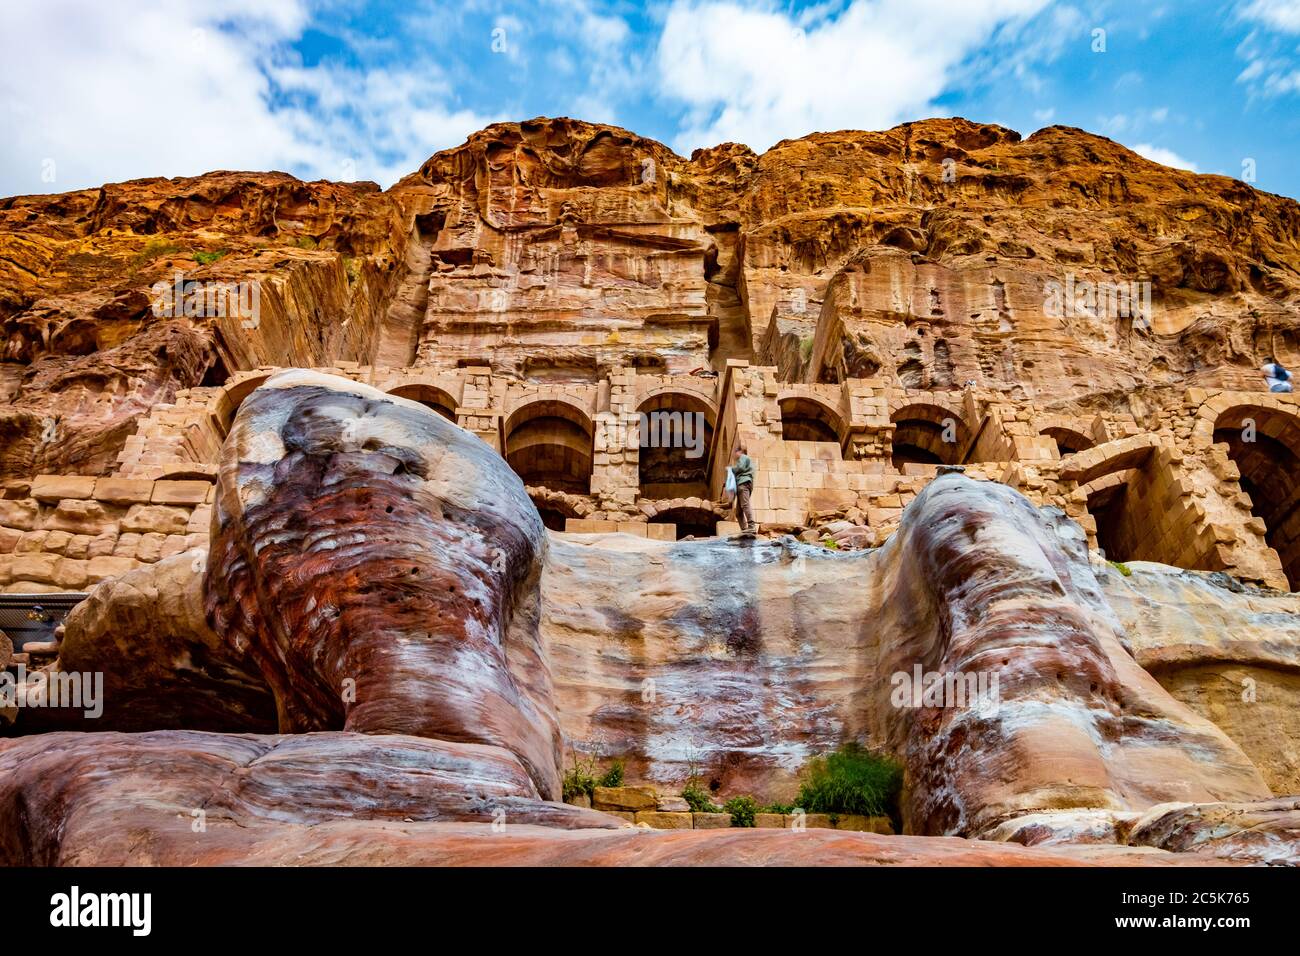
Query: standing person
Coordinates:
[742,466]
[1278,378]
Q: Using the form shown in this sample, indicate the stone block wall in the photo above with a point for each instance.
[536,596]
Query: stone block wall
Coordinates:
[65,533]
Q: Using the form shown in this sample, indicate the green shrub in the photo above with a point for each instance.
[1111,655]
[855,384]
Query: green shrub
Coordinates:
[785,809]
[155,248]
[351,269]
[697,798]
[805,348]
[305,242]
[580,778]
[851,780]
[1122,568]
[613,776]
[207,258]
[742,810]
[830,544]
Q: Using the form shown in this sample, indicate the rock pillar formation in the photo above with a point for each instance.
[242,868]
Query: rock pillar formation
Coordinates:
[381,566]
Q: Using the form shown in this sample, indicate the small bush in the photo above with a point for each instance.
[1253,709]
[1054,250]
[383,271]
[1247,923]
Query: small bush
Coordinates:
[613,776]
[785,809]
[305,242]
[580,778]
[155,248]
[697,798]
[851,780]
[1122,568]
[805,348]
[351,269]
[742,810]
[207,258]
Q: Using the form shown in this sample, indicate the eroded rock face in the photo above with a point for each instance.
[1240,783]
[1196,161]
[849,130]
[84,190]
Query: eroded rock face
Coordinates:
[982,582]
[738,662]
[84,352]
[555,250]
[164,785]
[385,575]
[1228,651]
[380,566]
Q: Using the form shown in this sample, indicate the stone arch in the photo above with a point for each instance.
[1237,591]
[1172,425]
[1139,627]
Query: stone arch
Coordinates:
[1068,440]
[809,418]
[675,435]
[1143,507]
[550,442]
[928,433]
[690,522]
[697,517]
[431,396]
[1264,443]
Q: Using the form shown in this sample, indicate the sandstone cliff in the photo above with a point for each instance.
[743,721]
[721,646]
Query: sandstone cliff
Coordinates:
[557,248]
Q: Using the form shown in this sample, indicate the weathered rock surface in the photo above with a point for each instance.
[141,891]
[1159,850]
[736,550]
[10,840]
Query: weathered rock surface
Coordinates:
[382,571]
[381,567]
[555,249]
[173,796]
[1229,652]
[163,667]
[381,592]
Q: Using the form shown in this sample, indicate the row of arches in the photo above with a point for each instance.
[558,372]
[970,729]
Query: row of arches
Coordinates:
[550,443]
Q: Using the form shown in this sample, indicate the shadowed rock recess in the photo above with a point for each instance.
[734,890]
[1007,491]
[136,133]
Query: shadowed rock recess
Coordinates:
[372,572]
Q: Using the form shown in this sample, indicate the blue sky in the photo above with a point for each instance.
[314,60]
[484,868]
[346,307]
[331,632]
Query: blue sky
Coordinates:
[343,89]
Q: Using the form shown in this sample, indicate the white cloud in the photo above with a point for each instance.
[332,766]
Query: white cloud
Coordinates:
[752,74]
[1283,15]
[1271,68]
[109,92]
[1166,157]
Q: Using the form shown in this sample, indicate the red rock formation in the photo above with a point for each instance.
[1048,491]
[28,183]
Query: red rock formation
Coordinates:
[380,566]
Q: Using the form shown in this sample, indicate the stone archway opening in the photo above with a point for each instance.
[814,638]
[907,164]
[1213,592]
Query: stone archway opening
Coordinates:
[1068,441]
[429,396]
[1115,511]
[1265,445]
[675,437]
[927,435]
[690,522]
[550,443]
[1143,507]
[803,419]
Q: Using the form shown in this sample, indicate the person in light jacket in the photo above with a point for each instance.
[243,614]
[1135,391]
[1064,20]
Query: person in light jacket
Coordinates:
[742,466]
